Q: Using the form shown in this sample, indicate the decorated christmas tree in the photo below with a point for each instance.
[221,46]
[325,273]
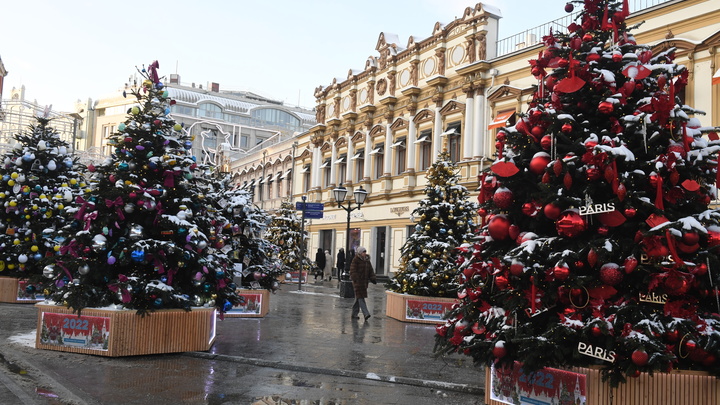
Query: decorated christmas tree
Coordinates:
[40,181]
[256,259]
[143,233]
[285,231]
[443,223]
[602,249]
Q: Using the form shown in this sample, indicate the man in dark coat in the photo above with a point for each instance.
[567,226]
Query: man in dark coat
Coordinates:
[319,262]
[341,261]
[361,272]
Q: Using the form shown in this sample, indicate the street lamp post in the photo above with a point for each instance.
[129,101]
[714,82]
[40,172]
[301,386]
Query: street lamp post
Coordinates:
[346,288]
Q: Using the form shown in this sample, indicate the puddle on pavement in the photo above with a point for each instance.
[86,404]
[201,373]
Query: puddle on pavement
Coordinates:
[12,367]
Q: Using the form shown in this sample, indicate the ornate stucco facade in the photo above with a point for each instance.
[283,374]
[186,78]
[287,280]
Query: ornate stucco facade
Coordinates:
[381,127]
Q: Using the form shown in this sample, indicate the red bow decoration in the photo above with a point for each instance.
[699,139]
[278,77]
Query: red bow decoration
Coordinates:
[153,72]
[81,212]
[117,203]
[170,178]
[89,218]
[70,248]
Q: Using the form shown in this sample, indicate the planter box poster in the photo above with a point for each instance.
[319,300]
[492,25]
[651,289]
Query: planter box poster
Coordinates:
[251,304]
[87,332]
[548,386]
[426,310]
[28,294]
[292,277]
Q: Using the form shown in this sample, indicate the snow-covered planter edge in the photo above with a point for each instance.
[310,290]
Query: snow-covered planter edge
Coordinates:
[12,290]
[120,332]
[676,387]
[416,308]
[255,309]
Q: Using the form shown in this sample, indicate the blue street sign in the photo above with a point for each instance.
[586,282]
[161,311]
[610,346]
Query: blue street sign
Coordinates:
[309,206]
[313,214]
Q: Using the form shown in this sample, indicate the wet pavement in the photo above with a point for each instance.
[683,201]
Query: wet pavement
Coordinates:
[307,350]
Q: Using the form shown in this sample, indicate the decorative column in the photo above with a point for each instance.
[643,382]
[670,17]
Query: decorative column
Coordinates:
[350,164]
[315,167]
[479,125]
[468,138]
[411,147]
[437,130]
[333,171]
[368,148]
[387,156]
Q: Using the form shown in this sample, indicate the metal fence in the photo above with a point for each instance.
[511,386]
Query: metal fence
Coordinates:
[533,36]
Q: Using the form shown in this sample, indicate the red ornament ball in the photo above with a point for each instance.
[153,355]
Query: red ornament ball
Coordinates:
[570,224]
[593,173]
[499,351]
[516,269]
[640,358]
[617,57]
[499,227]
[530,209]
[606,107]
[551,211]
[676,285]
[596,331]
[546,142]
[566,127]
[630,212]
[561,272]
[539,163]
[537,130]
[630,264]
[503,197]
[672,335]
[610,274]
[569,8]
[690,238]
[501,282]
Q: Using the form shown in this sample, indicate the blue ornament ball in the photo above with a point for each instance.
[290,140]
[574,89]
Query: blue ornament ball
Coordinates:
[138,255]
[37,256]
[227,306]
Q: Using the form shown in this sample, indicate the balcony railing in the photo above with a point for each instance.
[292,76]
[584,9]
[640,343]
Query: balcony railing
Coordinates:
[534,35]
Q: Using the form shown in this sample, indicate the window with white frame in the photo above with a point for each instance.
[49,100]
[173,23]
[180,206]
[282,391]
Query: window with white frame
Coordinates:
[305,172]
[400,155]
[341,163]
[454,141]
[378,158]
[326,167]
[424,145]
[359,158]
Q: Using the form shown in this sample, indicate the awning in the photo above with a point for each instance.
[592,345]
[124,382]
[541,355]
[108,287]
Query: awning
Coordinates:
[287,172]
[325,164]
[358,155]
[340,160]
[305,169]
[424,138]
[376,151]
[398,144]
[501,119]
[716,77]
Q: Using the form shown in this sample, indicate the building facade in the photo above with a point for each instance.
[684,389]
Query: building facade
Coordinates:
[381,127]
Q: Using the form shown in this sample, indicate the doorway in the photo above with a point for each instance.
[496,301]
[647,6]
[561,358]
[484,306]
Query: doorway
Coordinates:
[380,254]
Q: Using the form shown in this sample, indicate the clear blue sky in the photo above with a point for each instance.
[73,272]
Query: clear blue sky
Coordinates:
[79,49]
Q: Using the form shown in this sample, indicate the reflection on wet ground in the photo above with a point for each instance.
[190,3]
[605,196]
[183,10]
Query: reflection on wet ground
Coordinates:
[307,350]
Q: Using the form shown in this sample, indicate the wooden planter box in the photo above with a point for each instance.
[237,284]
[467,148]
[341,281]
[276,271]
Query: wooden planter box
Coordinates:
[114,333]
[12,290]
[257,304]
[677,387]
[417,309]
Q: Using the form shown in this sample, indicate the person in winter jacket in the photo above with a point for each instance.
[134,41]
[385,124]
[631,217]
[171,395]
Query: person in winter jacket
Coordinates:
[327,271]
[340,261]
[319,262]
[361,273]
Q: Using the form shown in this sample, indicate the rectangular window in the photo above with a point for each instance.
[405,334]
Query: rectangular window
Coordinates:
[325,167]
[306,178]
[341,163]
[359,158]
[378,158]
[400,155]
[424,143]
[454,141]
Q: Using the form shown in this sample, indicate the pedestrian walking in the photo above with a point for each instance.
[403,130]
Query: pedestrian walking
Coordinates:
[361,273]
[328,265]
[340,261]
[319,263]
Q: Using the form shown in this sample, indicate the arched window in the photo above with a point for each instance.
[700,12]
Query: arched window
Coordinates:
[210,110]
[271,117]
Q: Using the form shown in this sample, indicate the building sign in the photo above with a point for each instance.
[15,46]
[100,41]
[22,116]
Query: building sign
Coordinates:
[548,386]
[399,210]
[86,332]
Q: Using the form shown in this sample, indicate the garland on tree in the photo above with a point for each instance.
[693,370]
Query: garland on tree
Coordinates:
[444,223]
[142,237]
[598,245]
